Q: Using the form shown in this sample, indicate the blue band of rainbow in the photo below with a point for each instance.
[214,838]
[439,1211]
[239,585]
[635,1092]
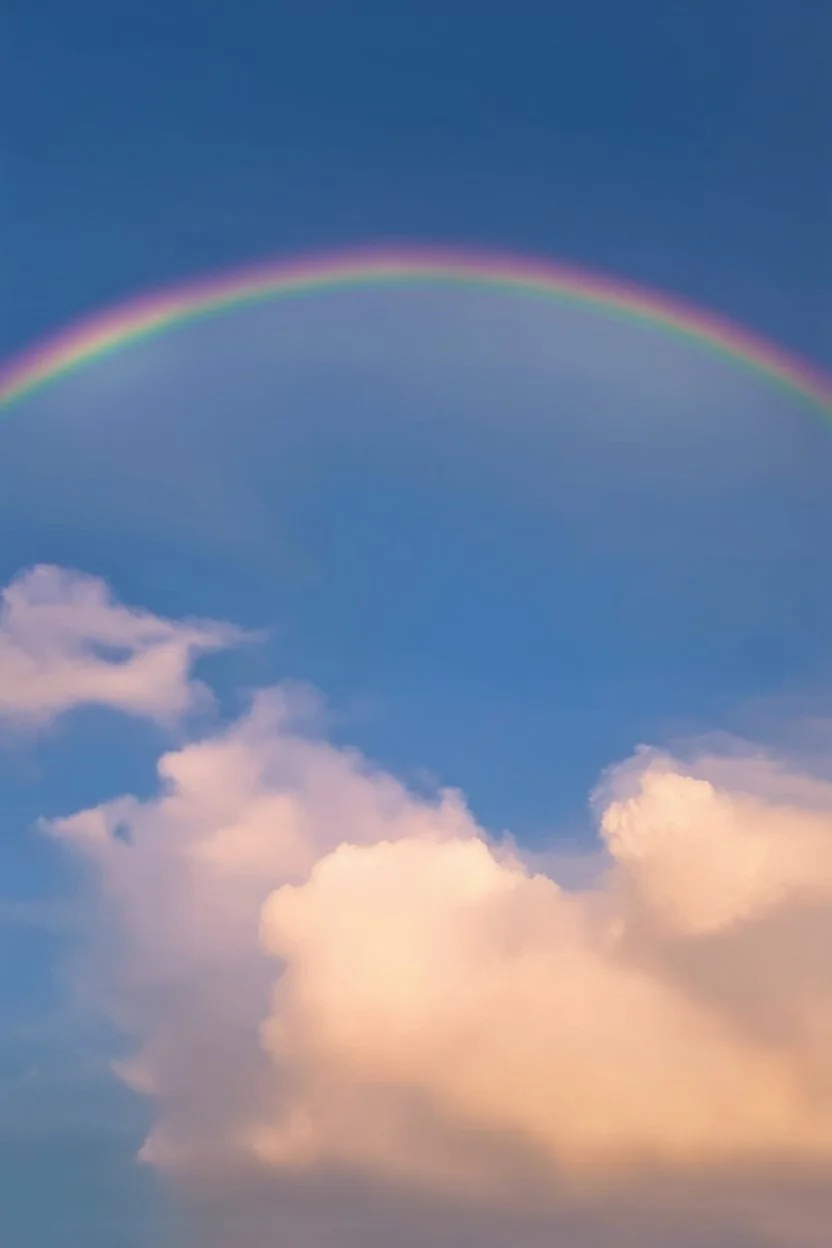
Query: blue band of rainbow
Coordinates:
[162,310]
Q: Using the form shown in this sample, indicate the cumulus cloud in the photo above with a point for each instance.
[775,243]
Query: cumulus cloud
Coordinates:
[65,642]
[324,974]
[676,1015]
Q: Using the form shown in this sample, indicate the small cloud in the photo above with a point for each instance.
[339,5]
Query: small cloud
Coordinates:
[66,642]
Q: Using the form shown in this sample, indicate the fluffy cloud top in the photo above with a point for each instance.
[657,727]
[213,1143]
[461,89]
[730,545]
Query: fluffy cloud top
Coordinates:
[323,973]
[65,642]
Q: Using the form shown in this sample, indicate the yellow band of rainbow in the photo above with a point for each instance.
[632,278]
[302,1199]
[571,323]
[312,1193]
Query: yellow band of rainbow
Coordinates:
[163,310]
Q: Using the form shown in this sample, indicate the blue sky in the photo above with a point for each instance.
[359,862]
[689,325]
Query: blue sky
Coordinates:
[680,145]
[507,543]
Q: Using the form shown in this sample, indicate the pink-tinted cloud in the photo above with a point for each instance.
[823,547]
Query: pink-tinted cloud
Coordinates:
[65,642]
[334,987]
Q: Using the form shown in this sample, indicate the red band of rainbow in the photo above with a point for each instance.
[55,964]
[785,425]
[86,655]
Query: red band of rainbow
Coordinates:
[162,310]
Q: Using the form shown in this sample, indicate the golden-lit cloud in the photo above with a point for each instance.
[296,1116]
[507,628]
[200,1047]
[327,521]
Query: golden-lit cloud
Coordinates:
[324,974]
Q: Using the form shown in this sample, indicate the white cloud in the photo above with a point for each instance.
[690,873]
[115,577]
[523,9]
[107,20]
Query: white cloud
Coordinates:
[65,642]
[574,1022]
[238,815]
[324,974]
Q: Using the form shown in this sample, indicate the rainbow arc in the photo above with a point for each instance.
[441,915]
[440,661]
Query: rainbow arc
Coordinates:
[162,311]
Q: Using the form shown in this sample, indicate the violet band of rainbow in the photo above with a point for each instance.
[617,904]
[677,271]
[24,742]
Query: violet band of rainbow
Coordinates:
[162,310]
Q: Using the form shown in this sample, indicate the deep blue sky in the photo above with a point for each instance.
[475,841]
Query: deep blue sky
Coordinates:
[681,143]
[678,143]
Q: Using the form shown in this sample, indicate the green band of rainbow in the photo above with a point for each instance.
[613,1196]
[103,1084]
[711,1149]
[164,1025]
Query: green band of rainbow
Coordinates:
[162,310]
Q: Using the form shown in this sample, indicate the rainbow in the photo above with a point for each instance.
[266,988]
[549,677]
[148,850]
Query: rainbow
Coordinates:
[116,328]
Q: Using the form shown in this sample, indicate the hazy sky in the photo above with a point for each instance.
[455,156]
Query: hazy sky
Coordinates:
[414,704]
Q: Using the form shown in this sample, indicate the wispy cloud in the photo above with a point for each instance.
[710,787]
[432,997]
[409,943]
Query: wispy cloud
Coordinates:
[56,916]
[65,642]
